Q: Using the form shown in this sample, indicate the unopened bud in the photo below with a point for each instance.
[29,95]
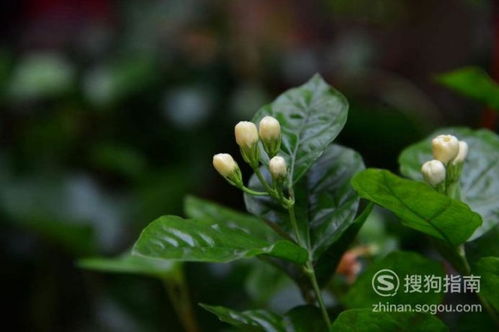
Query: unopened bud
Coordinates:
[433,172]
[445,148]
[228,168]
[246,134]
[461,155]
[278,168]
[247,139]
[270,134]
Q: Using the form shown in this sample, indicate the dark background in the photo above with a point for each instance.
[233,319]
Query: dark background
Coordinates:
[112,110]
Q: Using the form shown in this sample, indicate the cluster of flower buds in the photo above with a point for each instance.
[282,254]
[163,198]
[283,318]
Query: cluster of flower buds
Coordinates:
[449,154]
[248,138]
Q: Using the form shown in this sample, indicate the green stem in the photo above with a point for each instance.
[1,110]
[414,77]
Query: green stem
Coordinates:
[253,192]
[313,279]
[461,264]
[294,225]
[466,270]
[309,267]
[264,183]
[178,293]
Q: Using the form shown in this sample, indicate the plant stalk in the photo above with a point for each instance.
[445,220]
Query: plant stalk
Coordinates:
[313,279]
[466,270]
[309,267]
[253,192]
[461,263]
[178,293]
[264,183]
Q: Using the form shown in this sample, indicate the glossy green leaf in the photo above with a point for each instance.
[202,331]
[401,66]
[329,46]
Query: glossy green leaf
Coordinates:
[129,264]
[365,320]
[250,320]
[473,82]
[325,201]
[172,237]
[488,269]
[304,318]
[480,174]
[418,205]
[311,116]
[197,208]
[362,294]
[328,262]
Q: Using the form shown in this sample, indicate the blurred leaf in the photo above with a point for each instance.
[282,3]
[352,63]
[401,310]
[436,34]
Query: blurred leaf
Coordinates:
[111,84]
[365,320]
[76,238]
[311,116]
[485,245]
[472,82]
[480,175]
[488,269]
[250,320]
[197,208]
[171,237]
[362,294]
[130,264]
[118,159]
[418,205]
[376,233]
[50,206]
[473,321]
[41,75]
[264,281]
[328,262]
[299,319]
[304,318]
[325,201]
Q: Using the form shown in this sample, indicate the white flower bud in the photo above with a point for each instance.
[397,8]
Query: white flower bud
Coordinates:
[445,148]
[461,155]
[247,139]
[278,168]
[246,134]
[433,172]
[269,129]
[225,164]
[270,134]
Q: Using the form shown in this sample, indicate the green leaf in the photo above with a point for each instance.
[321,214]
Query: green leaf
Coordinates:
[252,320]
[485,245]
[418,205]
[488,269]
[264,281]
[362,294]
[197,208]
[78,239]
[311,116]
[480,174]
[304,318]
[365,320]
[129,264]
[473,82]
[325,201]
[328,262]
[172,237]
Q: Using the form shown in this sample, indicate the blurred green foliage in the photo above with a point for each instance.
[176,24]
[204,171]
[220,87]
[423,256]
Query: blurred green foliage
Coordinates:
[110,113]
[473,82]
